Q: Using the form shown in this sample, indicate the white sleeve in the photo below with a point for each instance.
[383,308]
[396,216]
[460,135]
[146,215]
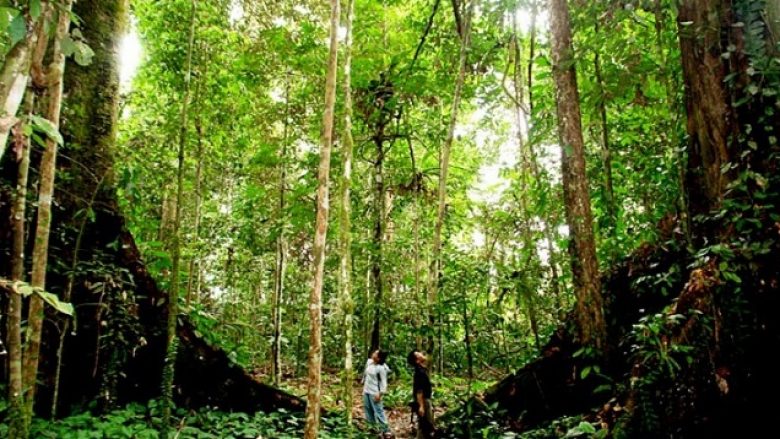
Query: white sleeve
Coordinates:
[365,371]
[383,380]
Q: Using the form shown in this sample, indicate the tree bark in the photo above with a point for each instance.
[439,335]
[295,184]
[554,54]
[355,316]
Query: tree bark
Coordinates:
[710,116]
[17,427]
[48,171]
[193,274]
[345,220]
[444,163]
[15,75]
[377,285]
[281,249]
[773,18]
[582,249]
[320,235]
[606,152]
[173,295]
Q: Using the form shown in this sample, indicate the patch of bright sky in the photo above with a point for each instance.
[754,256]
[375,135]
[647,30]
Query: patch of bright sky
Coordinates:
[130,56]
[524,21]
[277,94]
[280,22]
[236,12]
[491,185]
[302,9]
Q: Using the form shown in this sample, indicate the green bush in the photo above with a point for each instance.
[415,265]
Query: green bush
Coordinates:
[137,421]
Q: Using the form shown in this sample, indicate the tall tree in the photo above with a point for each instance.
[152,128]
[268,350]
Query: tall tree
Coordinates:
[582,248]
[17,427]
[320,234]
[606,151]
[444,165]
[533,160]
[345,223]
[710,116]
[378,230]
[281,247]
[48,169]
[194,271]
[173,298]
[728,100]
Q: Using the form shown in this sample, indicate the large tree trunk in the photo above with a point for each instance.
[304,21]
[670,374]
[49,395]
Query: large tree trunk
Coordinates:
[320,234]
[345,220]
[575,182]
[17,426]
[444,165]
[281,251]
[377,284]
[710,116]
[193,274]
[48,171]
[173,296]
[773,18]
[606,151]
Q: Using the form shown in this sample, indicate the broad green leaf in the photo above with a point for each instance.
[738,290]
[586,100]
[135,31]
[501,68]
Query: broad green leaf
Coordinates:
[6,15]
[54,301]
[68,46]
[83,54]
[17,29]
[45,126]
[35,9]
[585,372]
[25,290]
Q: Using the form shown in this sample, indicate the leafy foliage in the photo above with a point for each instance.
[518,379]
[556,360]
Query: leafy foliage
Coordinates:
[142,422]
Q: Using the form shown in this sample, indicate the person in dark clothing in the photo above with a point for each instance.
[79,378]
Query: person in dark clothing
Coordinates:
[421,393]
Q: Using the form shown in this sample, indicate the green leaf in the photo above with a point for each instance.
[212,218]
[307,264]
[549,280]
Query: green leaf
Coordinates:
[25,290]
[54,301]
[45,126]
[6,15]
[585,372]
[587,427]
[17,29]
[83,54]
[68,46]
[35,9]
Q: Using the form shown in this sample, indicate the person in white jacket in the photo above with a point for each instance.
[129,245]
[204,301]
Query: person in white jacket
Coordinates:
[374,387]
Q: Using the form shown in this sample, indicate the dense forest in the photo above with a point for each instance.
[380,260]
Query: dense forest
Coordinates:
[218,216]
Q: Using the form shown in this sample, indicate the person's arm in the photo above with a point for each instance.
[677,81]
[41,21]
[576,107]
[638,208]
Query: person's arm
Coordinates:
[382,383]
[365,371]
[420,403]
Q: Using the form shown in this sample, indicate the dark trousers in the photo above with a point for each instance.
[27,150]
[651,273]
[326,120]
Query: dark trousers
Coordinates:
[425,425]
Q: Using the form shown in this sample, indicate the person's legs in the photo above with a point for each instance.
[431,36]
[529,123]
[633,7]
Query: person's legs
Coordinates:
[379,415]
[368,409]
[425,426]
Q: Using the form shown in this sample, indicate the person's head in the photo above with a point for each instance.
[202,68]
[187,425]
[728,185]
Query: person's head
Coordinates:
[379,356]
[416,358]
